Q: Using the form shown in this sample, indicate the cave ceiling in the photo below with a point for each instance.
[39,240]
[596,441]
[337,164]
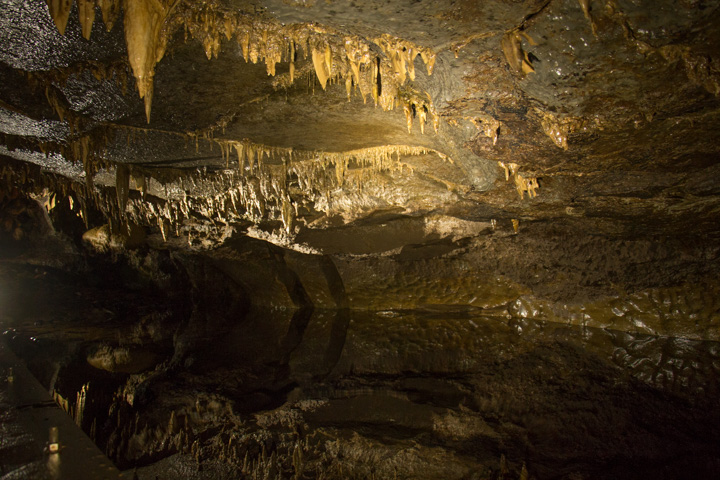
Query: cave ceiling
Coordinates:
[291,120]
[291,116]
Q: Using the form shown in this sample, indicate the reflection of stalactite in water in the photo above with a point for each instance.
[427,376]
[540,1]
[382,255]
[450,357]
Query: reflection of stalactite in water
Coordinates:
[80,404]
[674,364]
[76,411]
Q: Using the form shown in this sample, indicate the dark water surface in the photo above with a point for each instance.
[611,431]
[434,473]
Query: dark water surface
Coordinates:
[382,394]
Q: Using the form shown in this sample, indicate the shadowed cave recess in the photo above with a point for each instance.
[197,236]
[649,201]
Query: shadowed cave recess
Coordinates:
[332,239]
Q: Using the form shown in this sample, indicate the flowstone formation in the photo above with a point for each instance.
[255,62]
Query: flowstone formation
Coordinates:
[346,165]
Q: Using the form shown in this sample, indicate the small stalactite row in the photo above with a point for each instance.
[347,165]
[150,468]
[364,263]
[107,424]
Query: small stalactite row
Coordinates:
[87,148]
[32,179]
[76,411]
[418,105]
[122,186]
[261,184]
[60,13]
[559,126]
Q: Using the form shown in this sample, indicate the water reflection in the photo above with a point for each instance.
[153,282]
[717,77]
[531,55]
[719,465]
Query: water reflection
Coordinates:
[451,395]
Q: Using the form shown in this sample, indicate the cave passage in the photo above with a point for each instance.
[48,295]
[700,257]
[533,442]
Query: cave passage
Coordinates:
[377,239]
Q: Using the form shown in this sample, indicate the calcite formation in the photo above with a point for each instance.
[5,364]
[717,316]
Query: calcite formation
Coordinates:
[110,12]
[86,12]
[144,22]
[148,24]
[523,184]
[60,12]
[516,56]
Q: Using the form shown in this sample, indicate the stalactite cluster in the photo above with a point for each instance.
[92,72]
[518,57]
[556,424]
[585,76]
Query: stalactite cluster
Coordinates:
[381,69]
[76,410]
[488,126]
[334,56]
[39,184]
[86,148]
[265,184]
[523,184]
[558,127]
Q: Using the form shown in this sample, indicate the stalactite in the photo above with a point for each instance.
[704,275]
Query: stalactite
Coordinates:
[526,184]
[402,54]
[80,404]
[585,6]
[258,190]
[146,44]
[428,57]
[52,98]
[408,109]
[287,214]
[416,104]
[523,184]
[292,61]
[512,48]
[376,82]
[82,150]
[488,126]
[328,59]
[348,86]
[422,115]
[332,58]
[558,127]
[555,131]
[318,59]
[110,12]
[122,186]
[60,12]
[86,13]
[148,24]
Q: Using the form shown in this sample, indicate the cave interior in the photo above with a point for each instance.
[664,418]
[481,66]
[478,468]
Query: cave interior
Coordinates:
[387,239]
